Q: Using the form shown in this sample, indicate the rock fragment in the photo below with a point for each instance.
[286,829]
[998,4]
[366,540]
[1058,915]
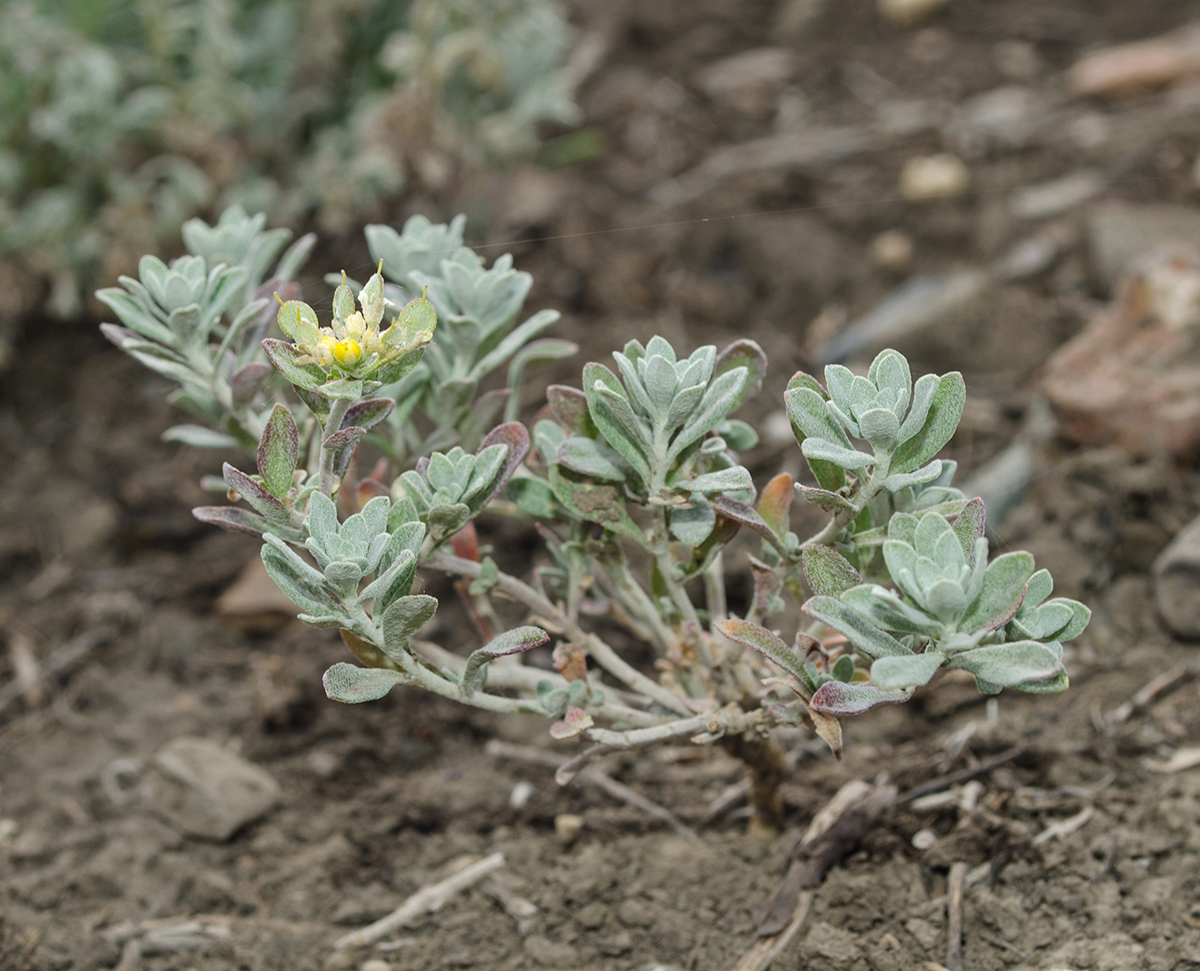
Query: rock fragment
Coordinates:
[750,80]
[1129,68]
[1177,582]
[1120,234]
[933,177]
[1131,378]
[205,790]
[1057,196]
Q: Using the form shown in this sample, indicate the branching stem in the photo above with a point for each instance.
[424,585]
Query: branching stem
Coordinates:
[337,412]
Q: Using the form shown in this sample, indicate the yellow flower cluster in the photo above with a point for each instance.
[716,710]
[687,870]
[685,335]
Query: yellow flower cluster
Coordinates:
[346,343]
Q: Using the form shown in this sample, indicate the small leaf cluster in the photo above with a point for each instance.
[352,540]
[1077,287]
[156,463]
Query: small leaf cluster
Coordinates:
[108,141]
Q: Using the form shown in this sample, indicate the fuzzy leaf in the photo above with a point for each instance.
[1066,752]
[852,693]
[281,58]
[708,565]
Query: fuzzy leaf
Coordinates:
[299,321]
[591,458]
[402,619]
[720,398]
[570,409]
[905,672]
[969,527]
[726,480]
[864,635]
[279,451]
[829,501]
[509,642]
[945,410]
[894,483]
[199,437]
[284,356]
[743,353]
[232,518]
[351,684]
[1009,664]
[775,503]
[836,698]
[850,459]
[514,435]
[575,721]
[829,574]
[597,502]
[769,644]
[692,526]
[1003,588]
[259,498]
[368,413]
[534,497]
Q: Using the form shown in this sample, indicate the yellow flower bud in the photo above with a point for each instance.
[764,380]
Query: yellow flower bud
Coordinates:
[347,352]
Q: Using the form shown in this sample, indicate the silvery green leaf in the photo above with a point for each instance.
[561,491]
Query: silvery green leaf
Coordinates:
[843,669]
[368,413]
[894,483]
[303,585]
[351,684]
[279,451]
[200,437]
[246,382]
[808,416]
[826,451]
[829,501]
[259,498]
[890,372]
[719,399]
[597,502]
[343,302]
[322,520]
[742,353]
[903,528]
[945,598]
[1003,588]
[945,410]
[829,574]
[341,389]
[879,426]
[402,619]
[692,526]
[865,636]
[299,322]
[134,315]
[629,444]
[284,356]
[591,458]
[889,612]
[237,520]
[185,323]
[514,341]
[1081,615]
[380,585]
[486,469]
[836,698]
[515,437]
[1009,664]
[660,346]
[570,409]
[905,672]
[446,520]
[659,380]
[739,435]
[769,644]
[343,576]
[346,438]
[969,527]
[725,480]
[1052,685]
[839,379]
[922,398]
[1038,587]
[843,418]
[534,497]
[744,515]
[296,256]
[168,367]
[509,642]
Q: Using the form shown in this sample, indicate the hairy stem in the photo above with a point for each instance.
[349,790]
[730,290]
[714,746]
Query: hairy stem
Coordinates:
[844,517]
[337,411]
[604,655]
[768,765]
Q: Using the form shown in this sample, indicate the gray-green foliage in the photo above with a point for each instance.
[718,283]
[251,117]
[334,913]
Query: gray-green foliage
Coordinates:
[634,482]
[119,121]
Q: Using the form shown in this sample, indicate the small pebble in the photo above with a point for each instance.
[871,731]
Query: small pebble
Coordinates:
[923,839]
[1017,60]
[909,11]
[933,177]
[567,826]
[521,793]
[375,964]
[892,250]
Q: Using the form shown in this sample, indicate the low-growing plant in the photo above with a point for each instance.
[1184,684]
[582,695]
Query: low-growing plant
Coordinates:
[633,482]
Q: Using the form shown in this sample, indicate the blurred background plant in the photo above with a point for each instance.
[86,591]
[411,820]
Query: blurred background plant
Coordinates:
[120,119]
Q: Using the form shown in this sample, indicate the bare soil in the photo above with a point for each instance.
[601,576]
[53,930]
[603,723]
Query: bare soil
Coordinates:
[98,550]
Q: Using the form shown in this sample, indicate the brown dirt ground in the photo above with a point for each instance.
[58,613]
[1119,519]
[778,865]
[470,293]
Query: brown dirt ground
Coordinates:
[380,798]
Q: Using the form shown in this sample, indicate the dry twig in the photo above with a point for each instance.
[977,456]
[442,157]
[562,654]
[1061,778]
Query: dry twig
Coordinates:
[954,916]
[593,776]
[1151,692]
[424,901]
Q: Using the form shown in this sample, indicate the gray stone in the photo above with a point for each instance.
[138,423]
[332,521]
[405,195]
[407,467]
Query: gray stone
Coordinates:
[1177,582]
[909,314]
[205,790]
[1120,234]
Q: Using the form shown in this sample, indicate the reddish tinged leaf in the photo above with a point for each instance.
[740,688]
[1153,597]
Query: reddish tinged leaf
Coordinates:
[258,497]
[769,644]
[739,512]
[569,407]
[575,721]
[516,437]
[838,698]
[775,503]
[344,438]
[465,543]
[369,413]
[747,354]
[232,518]
[279,451]
[570,661]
